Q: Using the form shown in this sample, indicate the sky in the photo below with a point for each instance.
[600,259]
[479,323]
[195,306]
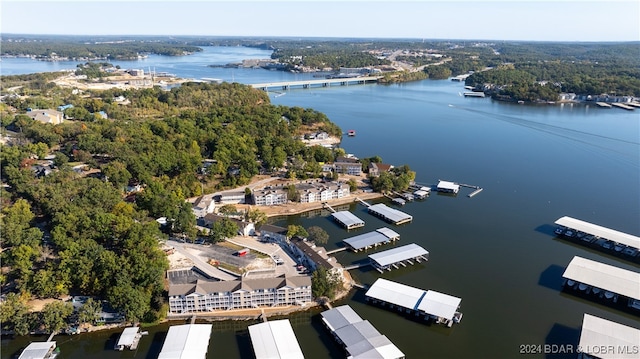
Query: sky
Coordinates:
[559,20]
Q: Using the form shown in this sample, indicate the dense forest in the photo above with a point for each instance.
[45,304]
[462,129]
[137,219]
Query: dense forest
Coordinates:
[97,242]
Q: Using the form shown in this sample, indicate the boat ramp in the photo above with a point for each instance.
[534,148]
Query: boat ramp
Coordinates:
[431,305]
[371,239]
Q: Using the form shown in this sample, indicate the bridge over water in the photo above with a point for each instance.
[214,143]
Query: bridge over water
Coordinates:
[286,85]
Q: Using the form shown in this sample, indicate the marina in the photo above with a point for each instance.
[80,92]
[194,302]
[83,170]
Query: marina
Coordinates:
[129,339]
[371,239]
[359,337]
[390,215]
[431,305]
[400,256]
[598,333]
[275,340]
[603,281]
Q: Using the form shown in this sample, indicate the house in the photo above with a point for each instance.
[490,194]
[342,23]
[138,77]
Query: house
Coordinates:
[270,197]
[46,116]
[348,165]
[313,256]
[244,228]
[232,197]
[205,295]
[375,169]
[203,205]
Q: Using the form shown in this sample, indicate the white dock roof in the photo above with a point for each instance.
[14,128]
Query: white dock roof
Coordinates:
[37,350]
[368,239]
[398,254]
[449,186]
[395,293]
[439,304]
[128,336]
[363,341]
[348,219]
[188,341]
[339,317]
[391,214]
[598,333]
[275,339]
[599,231]
[604,276]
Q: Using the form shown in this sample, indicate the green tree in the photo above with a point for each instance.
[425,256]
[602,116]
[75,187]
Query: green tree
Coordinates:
[89,311]
[55,314]
[294,230]
[223,229]
[228,209]
[324,283]
[16,225]
[185,221]
[318,235]
[117,173]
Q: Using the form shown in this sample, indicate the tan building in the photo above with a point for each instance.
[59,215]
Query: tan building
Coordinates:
[46,116]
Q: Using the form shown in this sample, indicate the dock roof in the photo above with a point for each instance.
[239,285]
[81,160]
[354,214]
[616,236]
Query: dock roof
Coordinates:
[398,254]
[188,341]
[348,219]
[439,304]
[389,213]
[604,276]
[128,336]
[369,239]
[449,186]
[360,337]
[37,350]
[599,231]
[275,339]
[598,333]
[395,293]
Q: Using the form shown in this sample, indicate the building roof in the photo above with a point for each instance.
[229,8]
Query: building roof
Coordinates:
[604,276]
[37,350]
[339,317]
[368,239]
[598,333]
[188,341]
[395,293]
[275,339]
[128,336]
[448,185]
[599,231]
[360,337]
[390,213]
[439,304]
[273,229]
[202,286]
[348,219]
[398,254]
[317,254]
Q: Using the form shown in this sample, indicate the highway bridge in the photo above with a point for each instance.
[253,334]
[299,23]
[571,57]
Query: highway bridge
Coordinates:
[287,85]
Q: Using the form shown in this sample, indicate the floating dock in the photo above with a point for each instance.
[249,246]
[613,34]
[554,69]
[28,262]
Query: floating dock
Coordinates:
[474,94]
[40,350]
[623,106]
[129,338]
[392,258]
[439,307]
[422,192]
[448,187]
[275,339]
[389,214]
[605,238]
[359,337]
[186,341]
[371,239]
[347,219]
[603,104]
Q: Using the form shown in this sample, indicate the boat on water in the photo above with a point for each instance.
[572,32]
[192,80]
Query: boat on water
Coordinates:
[351,133]
[40,350]
[129,338]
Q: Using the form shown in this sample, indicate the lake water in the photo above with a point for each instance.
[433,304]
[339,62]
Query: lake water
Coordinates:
[496,250]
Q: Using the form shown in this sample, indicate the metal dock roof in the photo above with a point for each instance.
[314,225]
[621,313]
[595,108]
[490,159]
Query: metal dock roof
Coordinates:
[430,302]
[275,339]
[607,340]
[37,350]
[604,276]
[379,236]
[398,254]
[439,304]
[187,341]
[599,231]
[348,219]
[128,336]
[448,186]
[360,337]
[390,214]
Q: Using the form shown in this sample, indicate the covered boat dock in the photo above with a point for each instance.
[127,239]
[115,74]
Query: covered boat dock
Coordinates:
[371,239]
[440,307]
[348,220]
[608,238]
[448,187]
[39,350]
[186,341]
[391,258]
[389,214]
[359,337]
[128,339]
[601,338]
[603,280]
[275,339]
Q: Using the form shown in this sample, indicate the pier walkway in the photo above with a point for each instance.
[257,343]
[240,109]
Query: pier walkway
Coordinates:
[305,84]
[363,202]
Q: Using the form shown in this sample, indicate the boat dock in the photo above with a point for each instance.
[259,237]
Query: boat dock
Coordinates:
[40,350]
[602,238]
[130,338]
[392,258]
[347,219]
[474,94]
[371,239]
[603,104]
[601,280]
[431,305]
[622,106]
[363,202]
[453,187]
[389,214]
[274,339]
[596,331]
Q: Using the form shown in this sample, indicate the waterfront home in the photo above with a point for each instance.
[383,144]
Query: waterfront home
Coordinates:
[206,295]
[375,169]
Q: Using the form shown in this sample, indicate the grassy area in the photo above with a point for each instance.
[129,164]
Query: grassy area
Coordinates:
[230,245]
[231,268]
